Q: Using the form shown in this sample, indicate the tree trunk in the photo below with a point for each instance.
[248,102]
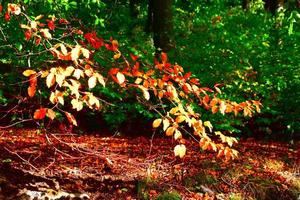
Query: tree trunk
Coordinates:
[161,16]
[246,4]
[272,5]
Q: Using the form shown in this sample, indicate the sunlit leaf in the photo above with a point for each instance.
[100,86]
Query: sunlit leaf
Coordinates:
[208,125]
[179,119]
[50,80]
[31,91]
[40,113]
[92,82]
[180,150]
[120,78]
[28,72]
[78,73]
[51,114]
[156,123]
[166,124]
[78,105]
[177,134]
[170,131]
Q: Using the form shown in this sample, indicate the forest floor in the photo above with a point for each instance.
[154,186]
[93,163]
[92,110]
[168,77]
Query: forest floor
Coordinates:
[61,166]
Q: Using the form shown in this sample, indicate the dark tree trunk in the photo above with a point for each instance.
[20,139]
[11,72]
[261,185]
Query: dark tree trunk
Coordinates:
[246,4]
[160,22]
[272,5]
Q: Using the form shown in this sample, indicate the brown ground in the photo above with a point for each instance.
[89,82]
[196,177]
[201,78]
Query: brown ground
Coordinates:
[141,168]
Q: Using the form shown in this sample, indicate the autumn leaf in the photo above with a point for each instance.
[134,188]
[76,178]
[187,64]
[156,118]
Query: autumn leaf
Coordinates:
[166,124]
[78,73]
[75,53]
[179,119]
[29,72]
[170,131]
[177,135]
[92,82]
[164,57]
[120,78]
[40,113]
[50,80]
[71,118]
[76,104]
[31,91]
[156,123]
[51,114]
[180,150]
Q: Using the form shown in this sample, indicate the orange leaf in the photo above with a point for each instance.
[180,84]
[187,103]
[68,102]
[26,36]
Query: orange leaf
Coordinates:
[156,123]
[170,131]
[51,114]
[40,113]
[164,57]
[31,91]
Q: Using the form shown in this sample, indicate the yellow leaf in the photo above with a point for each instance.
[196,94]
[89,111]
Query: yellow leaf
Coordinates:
[53,98]
[60,79]
[85,52]
[179,119]
[170,131]
[222,107]
[93,101]
[46,33]
[156,123]
[28,72]
[51,114]
[117,56]
[78,73]
[50,80]
[177,135]
[100,79]
[208,125]
[92,82]
[78,105]
[180,150]
[174,110]
[166,124]
[146,94]
[44,73]
[121,78]
[63,49]
[75,52]
[138,81]
[69,70]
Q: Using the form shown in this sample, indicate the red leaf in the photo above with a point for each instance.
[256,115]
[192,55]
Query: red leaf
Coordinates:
[63,21]
[33,80]
[40,113]
[37,41]
[195,81]
[27,35]
[164,57]
[187,75]
[1,8]
[7,16]
[51,25]
[113,71]
[134,57]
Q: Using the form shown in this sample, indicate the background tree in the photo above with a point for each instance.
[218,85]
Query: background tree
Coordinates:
[160,21]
